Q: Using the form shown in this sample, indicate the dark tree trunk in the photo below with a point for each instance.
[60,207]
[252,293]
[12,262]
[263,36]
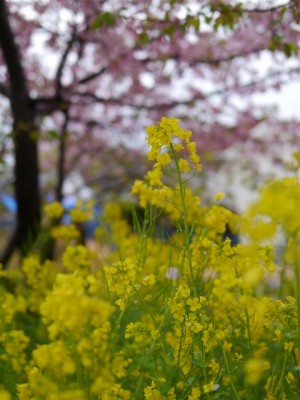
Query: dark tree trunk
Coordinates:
[25,140]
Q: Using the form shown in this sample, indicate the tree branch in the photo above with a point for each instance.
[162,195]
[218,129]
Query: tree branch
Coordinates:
[47,105]
[60,68]
[61,157]
[92,76]
[266,10]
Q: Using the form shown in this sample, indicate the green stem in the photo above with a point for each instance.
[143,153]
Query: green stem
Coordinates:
[229,373]
[186,252]
[158,328]
[282,371]
[138,388]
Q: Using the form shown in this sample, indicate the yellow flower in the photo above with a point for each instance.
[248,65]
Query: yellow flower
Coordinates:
[15,342]
[76,258]
[164,159]
[54,357]
[194,303]
[178,147]
[290,378]
[151,392]
[53,210]
[227,346]
[69,307]
[154,177]
[149,280]
[195,394]
[191,147]
[83,212]
[219,196]
[4,395]
[66,232]
[289,346]
[79,216]
[254,369]
[195,159]
[24,392]
[210,387]
[184,165]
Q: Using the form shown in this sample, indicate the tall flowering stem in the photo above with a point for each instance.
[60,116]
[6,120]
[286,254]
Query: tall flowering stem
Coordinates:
[170,145]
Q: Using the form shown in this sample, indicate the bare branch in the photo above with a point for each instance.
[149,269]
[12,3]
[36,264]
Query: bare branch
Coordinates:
[228,58]
[266,10]
[92,76]
[60,172]
[47,105]
[60,68]
[122,102]
[208,60]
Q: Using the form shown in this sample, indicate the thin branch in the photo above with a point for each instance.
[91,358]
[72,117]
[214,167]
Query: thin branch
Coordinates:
[92,76]
[122,102]
[60,68]
[61,157]
[47,105]
[208,60]
[266,10]
[228,58]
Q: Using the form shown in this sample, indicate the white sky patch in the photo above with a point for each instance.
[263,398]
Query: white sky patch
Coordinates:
[286,101]
[147,80]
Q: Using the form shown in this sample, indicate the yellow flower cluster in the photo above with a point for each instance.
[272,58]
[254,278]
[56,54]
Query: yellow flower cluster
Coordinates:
[69,306]
[277,206]
[82,212]
[183,316]
[53,210]
[168,143]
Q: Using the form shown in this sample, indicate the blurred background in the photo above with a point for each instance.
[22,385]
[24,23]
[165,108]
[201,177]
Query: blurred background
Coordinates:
[80,81]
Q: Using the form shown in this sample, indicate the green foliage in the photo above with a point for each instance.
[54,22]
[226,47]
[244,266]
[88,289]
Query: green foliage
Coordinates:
[105,19]
[226,15]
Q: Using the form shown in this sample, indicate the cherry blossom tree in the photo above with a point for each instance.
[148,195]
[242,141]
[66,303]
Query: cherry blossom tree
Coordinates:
[86,75]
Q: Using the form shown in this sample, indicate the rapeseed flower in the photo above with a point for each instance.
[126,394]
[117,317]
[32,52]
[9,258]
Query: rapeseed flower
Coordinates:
[182,316]
[255,368]
[53,210]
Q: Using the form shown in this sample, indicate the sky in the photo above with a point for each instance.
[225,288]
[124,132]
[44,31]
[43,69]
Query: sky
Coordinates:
[287,100]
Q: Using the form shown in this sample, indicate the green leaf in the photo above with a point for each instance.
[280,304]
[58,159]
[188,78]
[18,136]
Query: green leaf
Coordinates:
[193,22]
[53,135]
[143,38]
[105,19]
[274,43]
[169,30]
[290,49]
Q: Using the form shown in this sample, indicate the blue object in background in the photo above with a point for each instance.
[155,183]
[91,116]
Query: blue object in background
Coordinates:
[9,202]
[68,203]
[90,226]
